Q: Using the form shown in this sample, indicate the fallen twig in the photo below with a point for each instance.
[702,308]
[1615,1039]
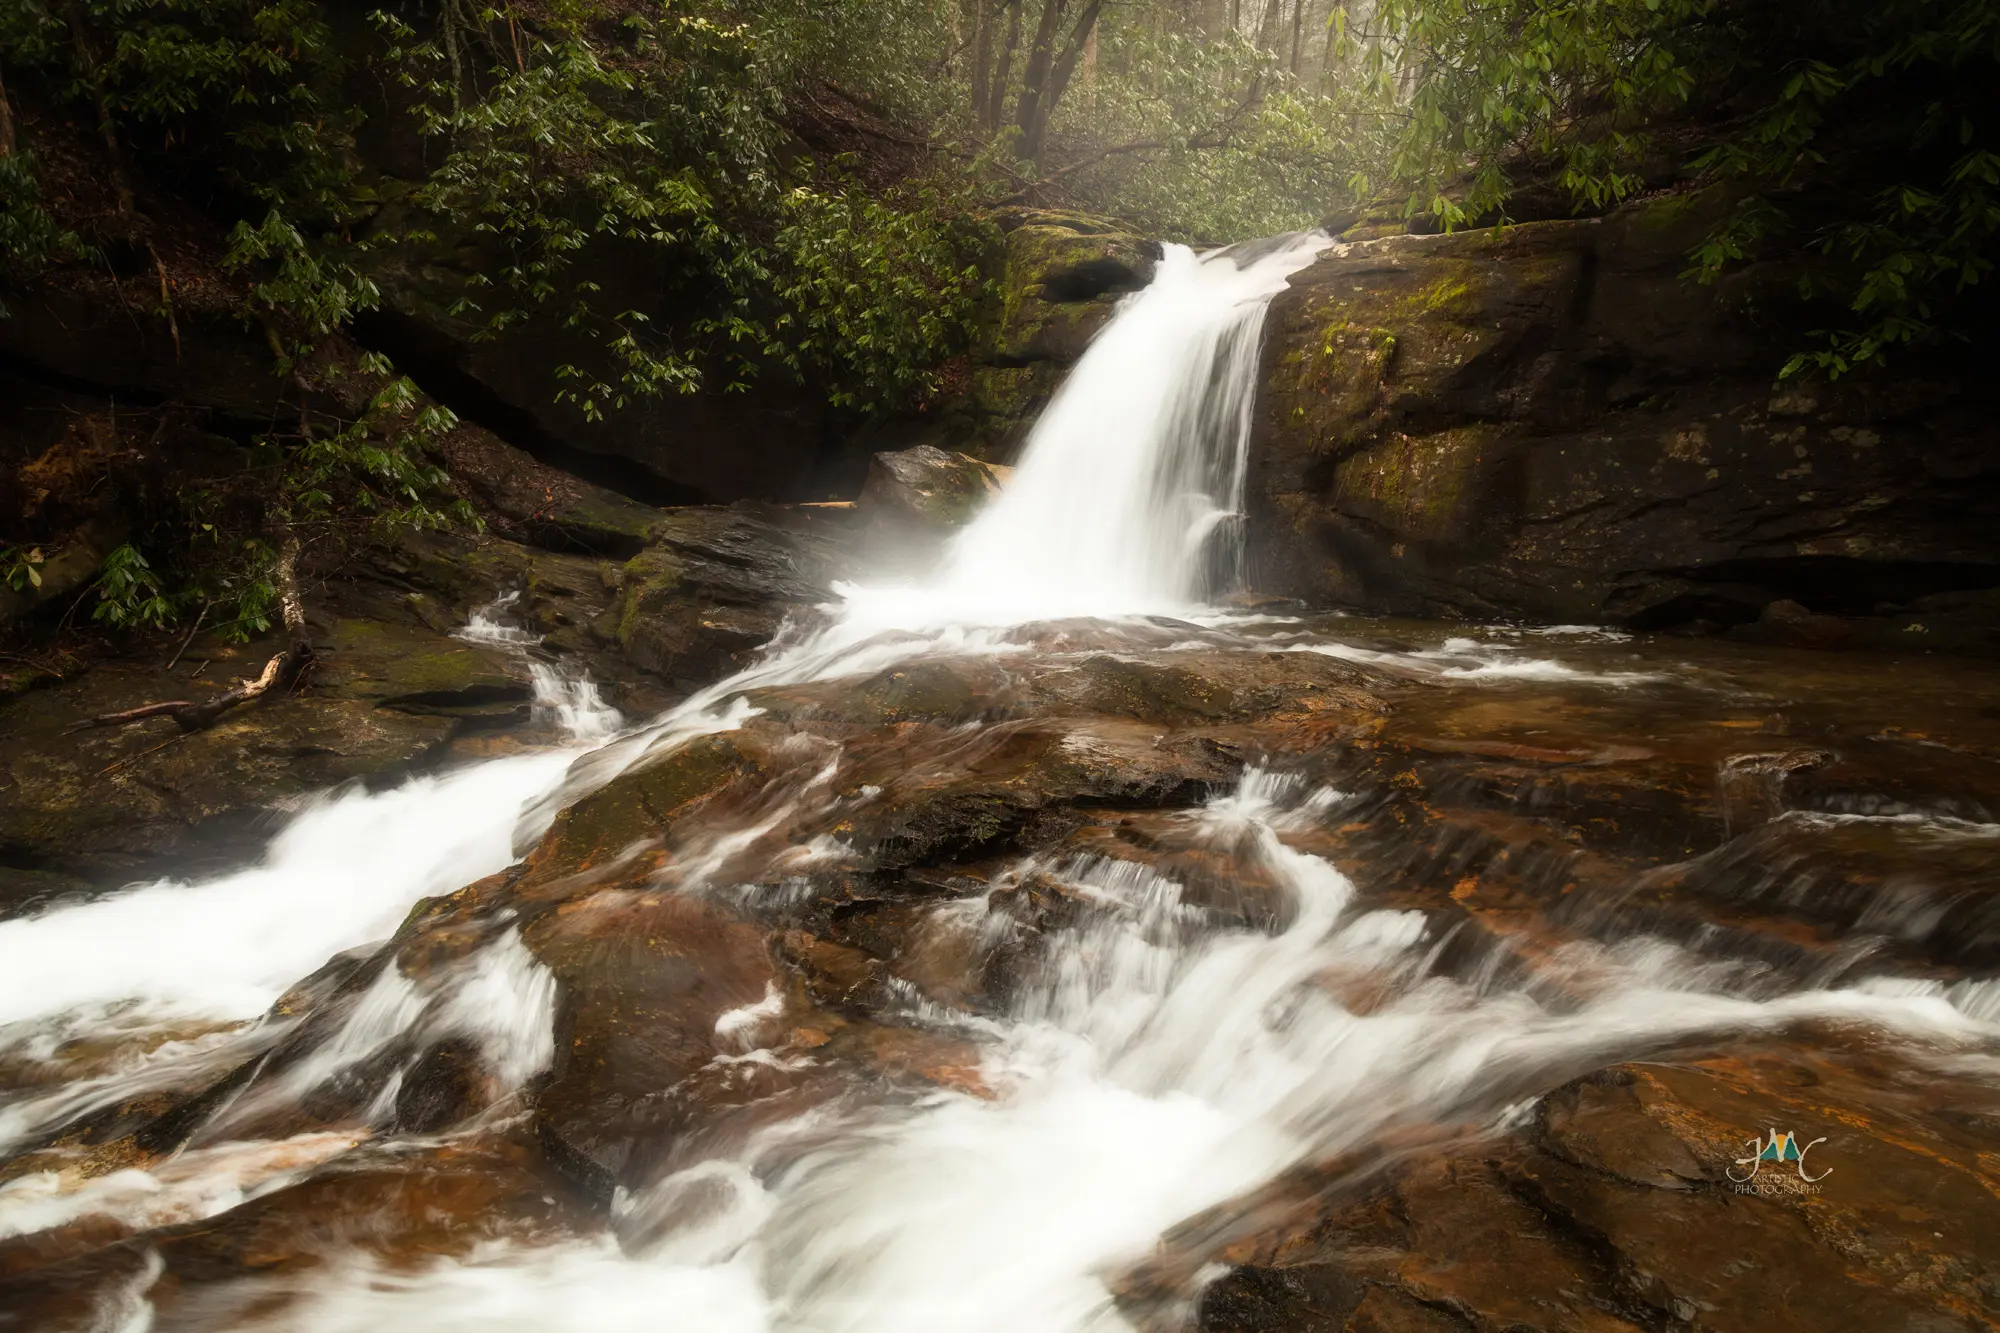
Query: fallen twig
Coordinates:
[134,758]
[201,616]
[283,670]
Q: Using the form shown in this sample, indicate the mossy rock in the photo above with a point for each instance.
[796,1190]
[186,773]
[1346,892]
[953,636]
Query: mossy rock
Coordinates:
[928,487]
[639,806]
[1058,287]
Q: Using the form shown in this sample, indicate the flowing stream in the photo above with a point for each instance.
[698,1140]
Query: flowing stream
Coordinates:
[1159,1059]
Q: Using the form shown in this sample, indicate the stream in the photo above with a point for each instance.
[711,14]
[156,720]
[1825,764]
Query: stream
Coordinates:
[1041,944]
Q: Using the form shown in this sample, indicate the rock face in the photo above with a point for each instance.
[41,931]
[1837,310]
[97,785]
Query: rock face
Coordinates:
[1615,1209]
[1059,277]
[1551,423]
[713,586]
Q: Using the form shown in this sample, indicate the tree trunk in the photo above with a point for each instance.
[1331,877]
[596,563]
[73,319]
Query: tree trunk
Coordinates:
[1035,79]
[1090,71]
[1060,76]
[1298,30]
[982,63]
[107,127]
[1326,68]
[7,140]
[1267,37]
[997,93]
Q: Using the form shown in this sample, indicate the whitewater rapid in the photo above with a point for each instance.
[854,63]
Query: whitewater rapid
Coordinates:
[1162,1062]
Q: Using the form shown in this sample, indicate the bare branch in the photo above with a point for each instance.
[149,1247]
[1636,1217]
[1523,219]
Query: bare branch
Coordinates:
[281,672]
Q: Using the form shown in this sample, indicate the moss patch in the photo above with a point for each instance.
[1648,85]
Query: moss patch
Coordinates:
[1419,485]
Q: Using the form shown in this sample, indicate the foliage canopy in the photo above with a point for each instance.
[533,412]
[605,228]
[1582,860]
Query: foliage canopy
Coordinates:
[1863,130]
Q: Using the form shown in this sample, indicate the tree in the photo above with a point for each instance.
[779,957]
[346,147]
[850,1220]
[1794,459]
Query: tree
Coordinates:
[1867,132]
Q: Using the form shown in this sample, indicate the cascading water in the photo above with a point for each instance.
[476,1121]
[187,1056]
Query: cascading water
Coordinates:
[1129,494]
[1159,1054]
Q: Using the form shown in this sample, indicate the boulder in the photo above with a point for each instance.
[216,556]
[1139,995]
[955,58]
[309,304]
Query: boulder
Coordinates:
[927,489]
[716,584]
[526,499]
[1620,1207]
[1061,277]
[1549,422]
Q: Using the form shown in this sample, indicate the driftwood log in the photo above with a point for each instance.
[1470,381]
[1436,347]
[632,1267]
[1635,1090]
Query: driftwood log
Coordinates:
[279,674]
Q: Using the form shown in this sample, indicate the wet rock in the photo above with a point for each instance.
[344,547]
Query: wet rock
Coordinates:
[750,926]
[1199,688]
[24,890]
[1012,785]
[646,977]
[1618,1209]
[714,588]
[1923,886]
[945,692]
[927,489]
[1787,622]
[1550,423]
[398,1212]
[410,668]
[447,1084]
[836,974]
[560,604]
[624,824]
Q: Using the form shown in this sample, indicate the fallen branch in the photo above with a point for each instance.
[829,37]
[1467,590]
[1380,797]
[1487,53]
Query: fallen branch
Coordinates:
[166,299]
[111,768]
[190,635]
[167,708]
[280,673]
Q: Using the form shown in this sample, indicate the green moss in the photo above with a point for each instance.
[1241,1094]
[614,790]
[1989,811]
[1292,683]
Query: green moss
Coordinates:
[1008,391]
[1451,295]
[1338,377]
[1031,256]
[1419,486]
[640,804]
[436,673]
[649,580]
[1670,212]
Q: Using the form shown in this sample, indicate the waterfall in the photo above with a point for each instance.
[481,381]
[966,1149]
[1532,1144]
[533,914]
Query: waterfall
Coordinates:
[1160,1058]
[1128,497]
